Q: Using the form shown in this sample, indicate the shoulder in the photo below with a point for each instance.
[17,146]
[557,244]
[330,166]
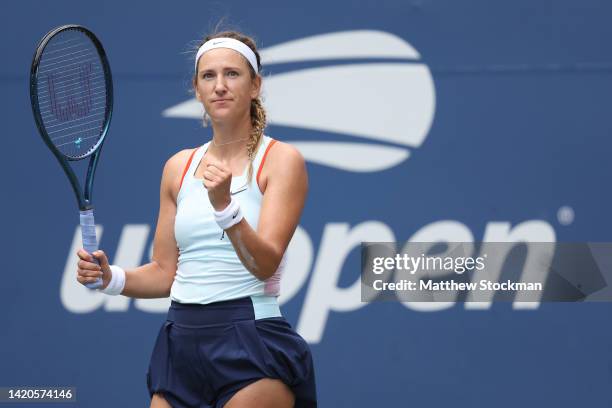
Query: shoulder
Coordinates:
[178,160]
[283,156]
[173,170]
[283,162]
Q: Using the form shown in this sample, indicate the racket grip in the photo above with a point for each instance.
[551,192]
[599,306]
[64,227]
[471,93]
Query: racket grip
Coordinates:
[90,243]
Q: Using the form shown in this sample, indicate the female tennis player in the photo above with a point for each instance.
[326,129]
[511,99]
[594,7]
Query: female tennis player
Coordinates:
[228,210]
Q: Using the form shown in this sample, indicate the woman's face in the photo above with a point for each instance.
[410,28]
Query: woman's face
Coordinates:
[224,85]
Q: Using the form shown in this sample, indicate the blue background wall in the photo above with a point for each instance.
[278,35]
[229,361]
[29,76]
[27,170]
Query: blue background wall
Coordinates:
[521,128]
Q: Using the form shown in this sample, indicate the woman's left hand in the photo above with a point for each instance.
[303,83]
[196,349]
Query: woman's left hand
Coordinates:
[218,180]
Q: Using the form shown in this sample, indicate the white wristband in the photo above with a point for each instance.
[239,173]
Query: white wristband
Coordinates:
[229,216]
[117,283]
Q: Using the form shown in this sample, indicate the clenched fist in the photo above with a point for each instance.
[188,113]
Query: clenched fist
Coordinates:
[217,180]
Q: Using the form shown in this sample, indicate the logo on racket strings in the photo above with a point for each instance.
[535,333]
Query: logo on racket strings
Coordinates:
[70,94]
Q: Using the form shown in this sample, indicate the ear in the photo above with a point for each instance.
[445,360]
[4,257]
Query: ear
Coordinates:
[195,90]
[256,87]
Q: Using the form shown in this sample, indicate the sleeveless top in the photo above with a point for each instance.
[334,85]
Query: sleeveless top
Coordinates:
[209,269]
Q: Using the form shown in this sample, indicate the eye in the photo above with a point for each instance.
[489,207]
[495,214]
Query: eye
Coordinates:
[232,73]
[207,75]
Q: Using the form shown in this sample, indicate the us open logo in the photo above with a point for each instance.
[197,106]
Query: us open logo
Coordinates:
[381,98]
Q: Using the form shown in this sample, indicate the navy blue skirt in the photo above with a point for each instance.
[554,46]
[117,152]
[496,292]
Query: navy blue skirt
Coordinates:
[204,354]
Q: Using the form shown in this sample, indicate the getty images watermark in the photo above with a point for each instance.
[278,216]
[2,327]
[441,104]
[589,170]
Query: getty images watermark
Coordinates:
[486,271]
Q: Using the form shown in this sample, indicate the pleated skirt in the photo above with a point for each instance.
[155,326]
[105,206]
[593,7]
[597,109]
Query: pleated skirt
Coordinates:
[204,354]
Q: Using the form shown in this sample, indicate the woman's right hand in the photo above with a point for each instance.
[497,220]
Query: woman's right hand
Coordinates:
[88,271]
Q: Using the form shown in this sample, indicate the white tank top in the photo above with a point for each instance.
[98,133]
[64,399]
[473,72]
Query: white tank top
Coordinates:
[208,268]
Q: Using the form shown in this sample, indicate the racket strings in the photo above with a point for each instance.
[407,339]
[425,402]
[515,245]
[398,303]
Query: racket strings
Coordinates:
[72,93]
[49,98]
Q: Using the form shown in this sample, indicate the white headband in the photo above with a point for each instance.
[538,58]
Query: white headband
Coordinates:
[231,43]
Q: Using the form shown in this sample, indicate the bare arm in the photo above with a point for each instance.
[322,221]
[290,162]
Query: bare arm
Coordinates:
[154,279]
[283,201]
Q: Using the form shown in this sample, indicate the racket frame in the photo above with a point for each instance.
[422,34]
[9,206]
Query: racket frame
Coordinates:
[84,198]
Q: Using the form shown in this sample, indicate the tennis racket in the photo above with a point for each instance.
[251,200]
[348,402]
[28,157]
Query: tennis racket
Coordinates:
[71,92]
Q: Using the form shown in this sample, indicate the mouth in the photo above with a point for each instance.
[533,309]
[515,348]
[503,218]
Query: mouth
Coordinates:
[220,100]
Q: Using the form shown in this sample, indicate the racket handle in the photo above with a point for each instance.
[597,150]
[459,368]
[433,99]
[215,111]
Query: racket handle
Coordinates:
[90,243]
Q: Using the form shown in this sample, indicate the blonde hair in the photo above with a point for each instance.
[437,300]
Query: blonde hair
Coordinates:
[258,113]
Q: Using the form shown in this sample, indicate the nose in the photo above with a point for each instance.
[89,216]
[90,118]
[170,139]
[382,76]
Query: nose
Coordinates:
[220,85]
